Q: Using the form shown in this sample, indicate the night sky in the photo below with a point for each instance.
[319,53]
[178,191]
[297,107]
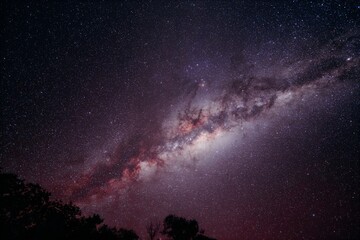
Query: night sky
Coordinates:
[244,115]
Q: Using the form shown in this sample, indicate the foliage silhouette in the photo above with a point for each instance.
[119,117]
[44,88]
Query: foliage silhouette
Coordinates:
[178,228]
[26,212]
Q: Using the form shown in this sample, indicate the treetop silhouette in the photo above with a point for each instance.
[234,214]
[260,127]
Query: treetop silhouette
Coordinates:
[26,212]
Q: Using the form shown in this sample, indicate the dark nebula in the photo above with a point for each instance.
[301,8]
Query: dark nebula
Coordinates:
[241,114]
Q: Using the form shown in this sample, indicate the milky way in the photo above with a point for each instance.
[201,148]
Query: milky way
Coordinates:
[200,121]
[243,115]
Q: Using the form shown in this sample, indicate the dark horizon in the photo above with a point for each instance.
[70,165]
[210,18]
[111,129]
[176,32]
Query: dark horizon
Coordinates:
[28,212]
[243,115]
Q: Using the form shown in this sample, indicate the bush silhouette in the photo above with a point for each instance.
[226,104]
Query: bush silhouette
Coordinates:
[26,212]
[178,228]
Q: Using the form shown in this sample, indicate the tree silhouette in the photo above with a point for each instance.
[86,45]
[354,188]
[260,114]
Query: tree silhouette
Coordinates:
[178,228]
[26,212]
[125,234]
[22,206]
[152,230]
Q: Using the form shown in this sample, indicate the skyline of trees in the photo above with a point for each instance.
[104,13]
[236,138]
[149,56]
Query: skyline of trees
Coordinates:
[26,212]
